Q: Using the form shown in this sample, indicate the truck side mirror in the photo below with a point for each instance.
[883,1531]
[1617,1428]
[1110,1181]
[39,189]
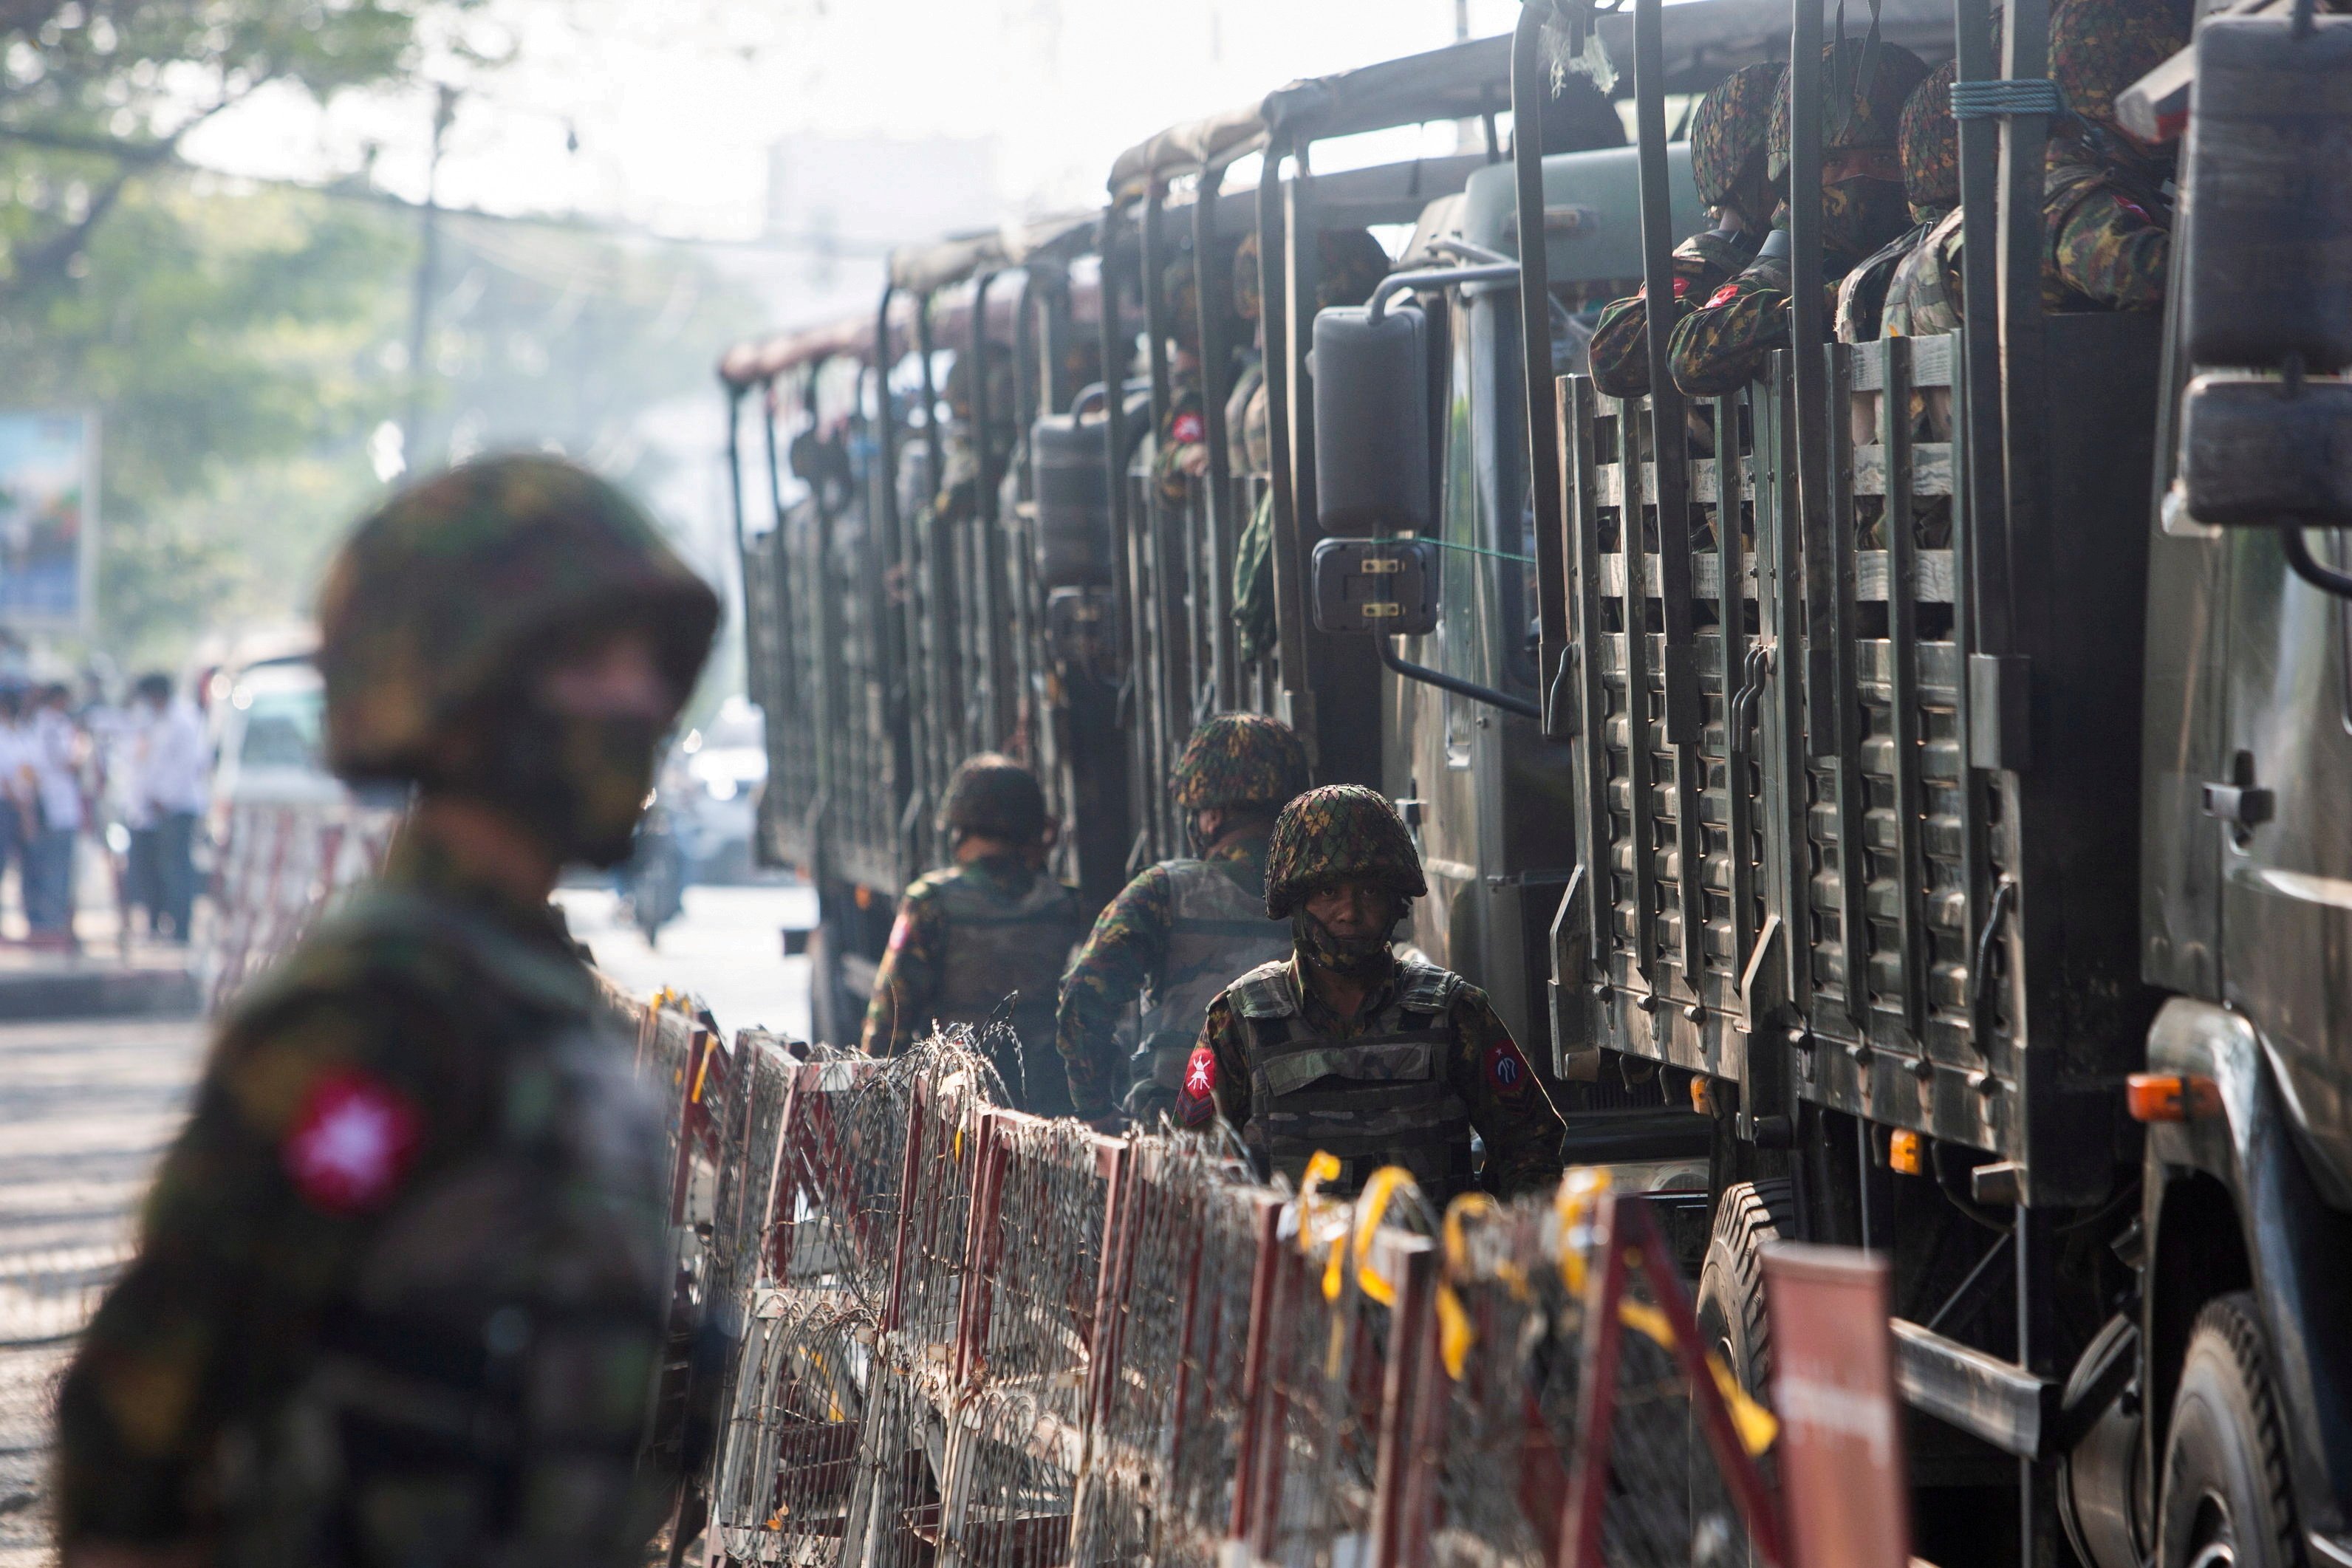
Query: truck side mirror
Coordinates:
[1373,440]
[1387,588]
[1073,485]
[2259,452]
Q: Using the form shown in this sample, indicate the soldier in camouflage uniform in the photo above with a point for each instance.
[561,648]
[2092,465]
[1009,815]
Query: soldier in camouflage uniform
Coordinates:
[401,1282]
[1350,266]
[1343,1048]
[1721,346]
[1929,144]
[1727,136]
[1923,296]
[2103,207]
[1183,930]
[989,927]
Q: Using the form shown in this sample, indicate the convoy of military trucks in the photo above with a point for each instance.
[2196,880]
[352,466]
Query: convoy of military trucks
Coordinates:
[1922,828]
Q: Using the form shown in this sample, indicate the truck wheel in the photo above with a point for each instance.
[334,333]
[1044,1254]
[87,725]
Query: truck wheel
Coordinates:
[1731,1305]
[2225,1470]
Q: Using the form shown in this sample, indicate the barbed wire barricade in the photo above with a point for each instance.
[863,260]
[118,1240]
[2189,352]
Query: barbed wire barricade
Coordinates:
[1493,1438]
[1171,1380]
[968,1335]
[278,868]
[1033,1304]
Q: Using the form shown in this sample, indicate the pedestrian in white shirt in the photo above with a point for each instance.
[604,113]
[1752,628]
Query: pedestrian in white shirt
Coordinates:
[17,815]
[173,771]
[54,744]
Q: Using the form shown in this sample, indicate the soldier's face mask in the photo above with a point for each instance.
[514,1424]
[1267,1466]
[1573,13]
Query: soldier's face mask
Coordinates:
[573,758]
[1858,215]
[1343,940]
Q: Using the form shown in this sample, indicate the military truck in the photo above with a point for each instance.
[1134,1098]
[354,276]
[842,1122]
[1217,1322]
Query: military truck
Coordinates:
[1948,838]
[1947,814]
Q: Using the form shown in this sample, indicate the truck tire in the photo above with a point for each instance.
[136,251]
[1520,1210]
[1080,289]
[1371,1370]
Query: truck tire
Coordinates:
[1730,1304]
[2226,1500]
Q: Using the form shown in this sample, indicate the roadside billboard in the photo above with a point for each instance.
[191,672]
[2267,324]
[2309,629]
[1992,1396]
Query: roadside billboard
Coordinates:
[48,518]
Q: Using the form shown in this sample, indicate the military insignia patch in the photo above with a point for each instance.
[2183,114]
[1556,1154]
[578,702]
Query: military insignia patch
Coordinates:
[354,1140]
[1506,1071]
[1188,428]
[1197,1101]
[1723,295]
[901,930]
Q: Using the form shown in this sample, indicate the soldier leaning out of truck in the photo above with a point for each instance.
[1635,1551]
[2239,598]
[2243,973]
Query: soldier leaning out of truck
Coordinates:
[1342,1047]
[1727,165]
[1719,347]
[991,926]
[1184,929]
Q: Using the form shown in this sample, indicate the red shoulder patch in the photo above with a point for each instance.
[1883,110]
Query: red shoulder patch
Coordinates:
[1188,428]
[1507,1072]
[1197,1101]
[901,929]
[353,1142]
[1723,295]
[1682,287]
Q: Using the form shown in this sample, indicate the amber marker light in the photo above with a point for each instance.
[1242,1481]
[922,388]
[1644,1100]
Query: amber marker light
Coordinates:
[1903,1148]
[2172,1096]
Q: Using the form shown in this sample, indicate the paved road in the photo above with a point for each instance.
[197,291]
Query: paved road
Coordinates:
[86,1107]
[727,949]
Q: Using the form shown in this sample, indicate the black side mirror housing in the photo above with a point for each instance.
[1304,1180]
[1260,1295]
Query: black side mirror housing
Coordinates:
[2259,452]
[1384,588]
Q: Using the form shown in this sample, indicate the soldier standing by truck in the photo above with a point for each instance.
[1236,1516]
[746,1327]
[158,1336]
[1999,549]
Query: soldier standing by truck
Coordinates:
[990,927]
[1342,1047]
[1185,928]
[401,1291]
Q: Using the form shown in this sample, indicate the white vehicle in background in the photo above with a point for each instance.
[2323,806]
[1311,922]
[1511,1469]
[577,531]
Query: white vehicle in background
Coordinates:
[269,719]
[711,782]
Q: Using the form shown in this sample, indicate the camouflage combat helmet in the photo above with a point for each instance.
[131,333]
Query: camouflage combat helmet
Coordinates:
[439,597]
[1341,833]
[1877,105]
[1350,264]
[2098,48]
[994,797]
[1239,759]
[1728,131]
[1930,145]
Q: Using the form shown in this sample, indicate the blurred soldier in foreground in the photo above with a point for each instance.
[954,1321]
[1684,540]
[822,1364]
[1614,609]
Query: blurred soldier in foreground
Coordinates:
[991,925]
[1727,165]
[1342,1047]
[401,1287]
[1184,929]
[1721,346]
[2103,202]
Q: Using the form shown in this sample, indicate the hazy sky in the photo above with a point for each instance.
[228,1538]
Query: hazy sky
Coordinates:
[674,104]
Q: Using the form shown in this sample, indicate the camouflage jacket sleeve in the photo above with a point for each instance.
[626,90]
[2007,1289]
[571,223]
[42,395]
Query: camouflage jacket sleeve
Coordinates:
[1226,1038]
[2104,247]
[1186,427]
[1122,954]
[1621,342]
[1719,347]
[304,1128]
[1507,1104]
[907,983]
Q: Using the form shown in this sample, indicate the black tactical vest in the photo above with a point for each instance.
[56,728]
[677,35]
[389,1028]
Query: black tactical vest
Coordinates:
[997,946]
[483,1395]
[1378,1098]
[1217,933]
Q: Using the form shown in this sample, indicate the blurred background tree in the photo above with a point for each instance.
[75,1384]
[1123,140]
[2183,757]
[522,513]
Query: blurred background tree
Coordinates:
[246,342]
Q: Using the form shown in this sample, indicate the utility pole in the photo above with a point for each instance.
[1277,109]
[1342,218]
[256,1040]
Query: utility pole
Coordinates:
[428,261]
